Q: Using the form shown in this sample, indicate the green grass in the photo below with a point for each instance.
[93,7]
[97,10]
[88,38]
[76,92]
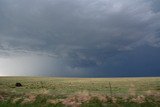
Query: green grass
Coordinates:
[70,85]
[45,88]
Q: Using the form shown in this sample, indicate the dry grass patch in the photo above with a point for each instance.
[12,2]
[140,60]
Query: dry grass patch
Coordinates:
[1,98]
[71,102]
[54,101]
[102,98]
[139,99]
[29,98]
[15,100]
[77,99]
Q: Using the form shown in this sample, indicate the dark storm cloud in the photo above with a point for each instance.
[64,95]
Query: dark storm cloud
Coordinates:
[82,35]
[155,5]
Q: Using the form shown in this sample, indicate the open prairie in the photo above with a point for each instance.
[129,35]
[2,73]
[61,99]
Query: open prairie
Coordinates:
[77,92]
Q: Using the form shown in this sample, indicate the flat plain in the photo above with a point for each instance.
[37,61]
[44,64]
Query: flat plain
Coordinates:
[80,92]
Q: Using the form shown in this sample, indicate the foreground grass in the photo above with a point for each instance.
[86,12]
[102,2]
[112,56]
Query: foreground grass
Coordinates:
[79,92]
[91,104]
[94,102]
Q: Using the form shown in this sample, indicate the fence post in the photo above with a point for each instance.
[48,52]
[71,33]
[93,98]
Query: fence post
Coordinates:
[110,89]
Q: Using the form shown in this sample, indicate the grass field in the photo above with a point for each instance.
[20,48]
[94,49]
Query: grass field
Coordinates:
[79,92]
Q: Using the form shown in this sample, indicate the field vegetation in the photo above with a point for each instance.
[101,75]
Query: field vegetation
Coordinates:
[79,92]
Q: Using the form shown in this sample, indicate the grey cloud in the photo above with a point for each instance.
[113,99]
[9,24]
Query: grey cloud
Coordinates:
[81,33]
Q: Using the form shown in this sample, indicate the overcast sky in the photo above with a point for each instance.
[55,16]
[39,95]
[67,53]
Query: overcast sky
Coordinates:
[80,38]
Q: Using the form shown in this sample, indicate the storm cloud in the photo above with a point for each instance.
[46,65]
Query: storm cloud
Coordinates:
[80,37]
